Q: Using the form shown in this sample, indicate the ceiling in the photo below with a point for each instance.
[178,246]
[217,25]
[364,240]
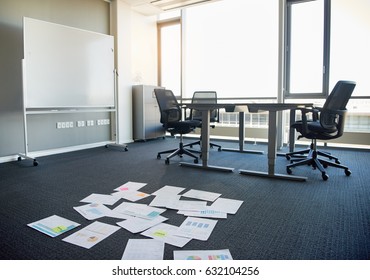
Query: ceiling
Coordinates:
[153,7]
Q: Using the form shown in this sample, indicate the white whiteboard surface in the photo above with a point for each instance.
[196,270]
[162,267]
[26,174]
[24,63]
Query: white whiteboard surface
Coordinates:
[66,67]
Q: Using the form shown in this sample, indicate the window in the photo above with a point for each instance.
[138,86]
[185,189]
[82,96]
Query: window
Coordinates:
[169,58]
[231,47]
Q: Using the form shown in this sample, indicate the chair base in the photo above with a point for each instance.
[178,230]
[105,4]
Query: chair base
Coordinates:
[199,143]
[313,160]
[178,152]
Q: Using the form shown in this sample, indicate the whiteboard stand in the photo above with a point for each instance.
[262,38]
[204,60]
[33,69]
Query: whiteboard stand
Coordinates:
[25,154]
[116,145]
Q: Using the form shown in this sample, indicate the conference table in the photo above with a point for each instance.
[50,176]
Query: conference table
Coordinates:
[271,108]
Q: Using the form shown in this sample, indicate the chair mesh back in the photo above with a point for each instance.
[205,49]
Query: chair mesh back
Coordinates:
[337,100]
[204,97]
[167,100]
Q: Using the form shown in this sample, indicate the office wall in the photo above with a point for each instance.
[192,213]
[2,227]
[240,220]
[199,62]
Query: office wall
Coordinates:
[91,15]
[136,58]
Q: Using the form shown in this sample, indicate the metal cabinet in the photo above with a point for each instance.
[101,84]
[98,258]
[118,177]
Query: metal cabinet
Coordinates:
[146,115]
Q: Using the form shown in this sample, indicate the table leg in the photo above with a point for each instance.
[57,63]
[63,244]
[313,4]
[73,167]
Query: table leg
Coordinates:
[205,134]
[271,155]
[241,138]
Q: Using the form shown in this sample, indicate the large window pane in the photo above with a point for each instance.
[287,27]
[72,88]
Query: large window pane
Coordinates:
[170,76]
[306,47]
[232,47]
[350,44]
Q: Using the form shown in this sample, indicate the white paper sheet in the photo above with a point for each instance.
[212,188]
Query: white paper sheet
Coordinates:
[92,211]
[130,195]
[101,198]
[130,186]
[205,213]
[197,228]
[53,225]
[143,249]
[203,255]
[166,233]
[163,200]
[187,205]
[91,235]
[168,190]
[139,210]
[202,195]
[136,225]
[230,206]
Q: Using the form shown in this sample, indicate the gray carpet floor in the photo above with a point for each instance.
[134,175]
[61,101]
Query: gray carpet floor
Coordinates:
[312,220]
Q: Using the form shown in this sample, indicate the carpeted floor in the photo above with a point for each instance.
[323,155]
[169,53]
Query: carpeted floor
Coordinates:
[278,220]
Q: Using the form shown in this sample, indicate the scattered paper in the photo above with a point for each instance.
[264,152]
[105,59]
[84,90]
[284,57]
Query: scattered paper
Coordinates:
[53,225]
[131,195]
[227,205]
[91,235]
[139,210]
[187,205]
[143,249]
[166,233]
[168,190]
[206,213]
[164,200]
[202,195]
[130,186]
[203,255]
[197,228]
[136,225]
[101,198]
[92,211]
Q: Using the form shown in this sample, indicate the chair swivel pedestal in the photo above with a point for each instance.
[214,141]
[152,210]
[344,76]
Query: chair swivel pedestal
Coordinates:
[313,160]
[177,152]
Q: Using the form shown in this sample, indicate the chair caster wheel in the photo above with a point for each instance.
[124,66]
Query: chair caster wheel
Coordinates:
[126,149]
[347,172]
[19,158]
[288,170]
[337,161]
[167,161]
[158,156]
[35,163]
[325,176]
[287,157]
[196,160]
[219,149]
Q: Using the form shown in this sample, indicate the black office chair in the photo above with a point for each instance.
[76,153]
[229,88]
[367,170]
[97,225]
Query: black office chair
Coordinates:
[204,97]
[171,118]
[326,123]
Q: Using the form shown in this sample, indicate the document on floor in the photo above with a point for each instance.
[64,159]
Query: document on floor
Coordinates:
[92,211]
[53,225]
[163,200]
[168,190]
[131,195]
[202,195]
[139,210]
[143,249]
[205,213]
[166,233]
[203,255]
[136,225]
[230,206]
[101,198]
[130,186]
[91,234]
[197,228]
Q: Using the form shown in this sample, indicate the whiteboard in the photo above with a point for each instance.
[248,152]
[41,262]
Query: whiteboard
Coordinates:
[66,67]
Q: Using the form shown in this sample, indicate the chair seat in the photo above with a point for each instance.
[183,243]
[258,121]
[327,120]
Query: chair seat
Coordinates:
[316,130]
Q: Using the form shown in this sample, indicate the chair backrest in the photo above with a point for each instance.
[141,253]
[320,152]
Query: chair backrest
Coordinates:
[337,100]
[204,97]
[168,106]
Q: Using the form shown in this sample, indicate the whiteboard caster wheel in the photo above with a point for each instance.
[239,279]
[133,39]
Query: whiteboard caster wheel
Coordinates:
[167,161]
[325,176]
